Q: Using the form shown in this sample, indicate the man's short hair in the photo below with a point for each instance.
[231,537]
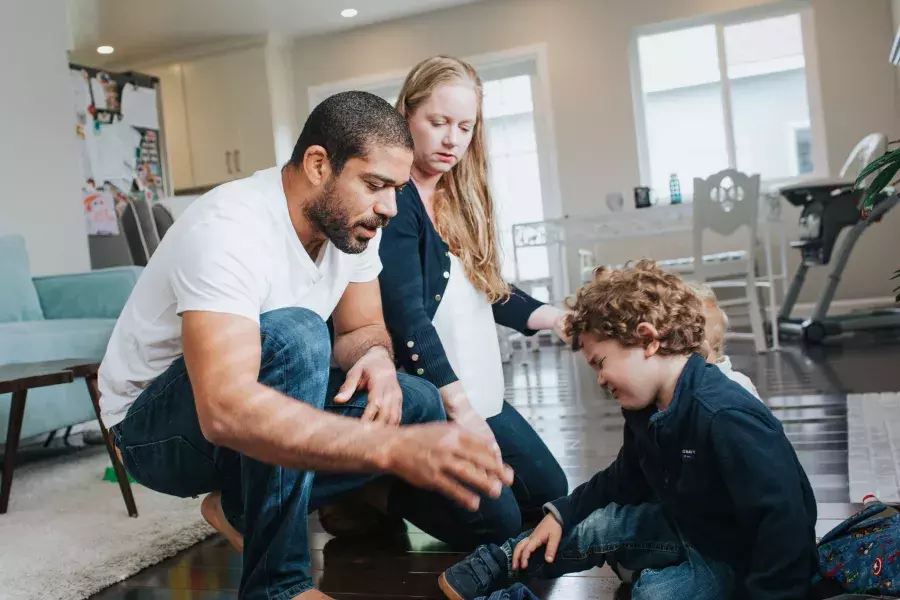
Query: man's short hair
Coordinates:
[348,125]
[615,302]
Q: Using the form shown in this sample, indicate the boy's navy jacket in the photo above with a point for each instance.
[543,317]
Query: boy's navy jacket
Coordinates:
[414,275]
[719,463]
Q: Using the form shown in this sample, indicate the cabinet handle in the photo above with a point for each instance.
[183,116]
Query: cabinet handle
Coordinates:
[228,162]
[237,161]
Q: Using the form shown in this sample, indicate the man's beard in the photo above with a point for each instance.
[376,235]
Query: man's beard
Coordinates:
[329,214]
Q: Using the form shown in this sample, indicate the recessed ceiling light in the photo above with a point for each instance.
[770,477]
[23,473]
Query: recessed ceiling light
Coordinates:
[105,50]
[349,12]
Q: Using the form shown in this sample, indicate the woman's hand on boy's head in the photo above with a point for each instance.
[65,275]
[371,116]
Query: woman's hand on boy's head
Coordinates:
[548,317]
[559,327]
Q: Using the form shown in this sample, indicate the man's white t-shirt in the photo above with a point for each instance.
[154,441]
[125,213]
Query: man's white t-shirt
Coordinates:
[235,251]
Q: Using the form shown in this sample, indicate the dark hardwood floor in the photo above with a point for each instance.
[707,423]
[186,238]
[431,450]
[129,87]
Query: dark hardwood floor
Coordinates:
[558,394]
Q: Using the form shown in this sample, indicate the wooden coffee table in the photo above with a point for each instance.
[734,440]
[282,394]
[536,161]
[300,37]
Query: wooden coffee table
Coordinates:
[17,379]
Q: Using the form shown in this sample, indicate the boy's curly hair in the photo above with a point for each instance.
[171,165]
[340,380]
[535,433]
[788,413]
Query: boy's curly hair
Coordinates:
[615,302]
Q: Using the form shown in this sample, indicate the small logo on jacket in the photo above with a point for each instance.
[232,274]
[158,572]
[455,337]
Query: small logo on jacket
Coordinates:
[687,454]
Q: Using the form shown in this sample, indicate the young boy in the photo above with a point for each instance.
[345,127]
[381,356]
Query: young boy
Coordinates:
[714,337]
[706,499]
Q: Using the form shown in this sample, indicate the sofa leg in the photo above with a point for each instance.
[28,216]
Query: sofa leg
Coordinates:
[66,436]
[16,416]
[50,438]
[121,475]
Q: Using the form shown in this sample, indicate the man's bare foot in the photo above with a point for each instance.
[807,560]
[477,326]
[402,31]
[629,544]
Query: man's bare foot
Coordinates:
[313,595]
[211,509]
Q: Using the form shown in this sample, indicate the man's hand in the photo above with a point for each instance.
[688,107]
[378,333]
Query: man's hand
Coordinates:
[445,458]
[548,532]
[375,373]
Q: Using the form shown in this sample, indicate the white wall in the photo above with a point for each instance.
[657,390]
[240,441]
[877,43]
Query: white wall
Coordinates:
[280,76]
[40,195]
[895,10]
[588,45]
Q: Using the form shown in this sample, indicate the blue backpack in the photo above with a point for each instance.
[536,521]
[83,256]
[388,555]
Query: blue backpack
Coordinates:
[862,554]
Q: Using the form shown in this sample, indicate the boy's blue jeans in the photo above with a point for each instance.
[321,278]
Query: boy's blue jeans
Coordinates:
[164,449]
[639,538]
[516,592]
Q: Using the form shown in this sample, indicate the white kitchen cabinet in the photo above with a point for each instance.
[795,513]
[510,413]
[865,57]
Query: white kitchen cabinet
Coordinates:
[174,115]
[254,146]
[207,95]
[227,120]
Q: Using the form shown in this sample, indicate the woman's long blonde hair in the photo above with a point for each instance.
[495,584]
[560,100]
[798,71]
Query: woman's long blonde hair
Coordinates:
[463,206]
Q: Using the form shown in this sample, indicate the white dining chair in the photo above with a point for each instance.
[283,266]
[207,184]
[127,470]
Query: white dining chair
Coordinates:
[727,203]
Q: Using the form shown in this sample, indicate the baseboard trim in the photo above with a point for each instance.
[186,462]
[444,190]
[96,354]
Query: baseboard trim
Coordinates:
[843,307]
[838,307]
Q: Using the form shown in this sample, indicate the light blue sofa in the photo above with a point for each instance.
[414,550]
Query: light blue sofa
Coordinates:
[54,318]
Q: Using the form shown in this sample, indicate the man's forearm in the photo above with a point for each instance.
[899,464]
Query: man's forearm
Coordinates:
[293,434]
[352,346]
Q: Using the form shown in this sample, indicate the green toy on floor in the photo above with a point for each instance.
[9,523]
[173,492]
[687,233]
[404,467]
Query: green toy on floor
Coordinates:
[110,475]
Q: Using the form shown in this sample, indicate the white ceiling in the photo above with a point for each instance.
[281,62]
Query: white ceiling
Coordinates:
[139,30]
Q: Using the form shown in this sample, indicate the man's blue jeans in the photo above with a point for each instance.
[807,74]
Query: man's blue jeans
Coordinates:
[163,449]
[639,538]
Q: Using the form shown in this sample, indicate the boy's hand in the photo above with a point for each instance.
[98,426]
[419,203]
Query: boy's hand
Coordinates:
[548,532]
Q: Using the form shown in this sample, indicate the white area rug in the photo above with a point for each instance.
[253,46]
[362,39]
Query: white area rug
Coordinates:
[873,423]
[67,534]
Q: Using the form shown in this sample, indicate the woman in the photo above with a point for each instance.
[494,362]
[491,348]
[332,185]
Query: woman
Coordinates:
[442,292]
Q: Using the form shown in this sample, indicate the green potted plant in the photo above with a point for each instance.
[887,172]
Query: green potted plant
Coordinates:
[887,166]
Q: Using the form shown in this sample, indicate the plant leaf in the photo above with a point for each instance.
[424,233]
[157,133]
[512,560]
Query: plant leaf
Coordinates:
[880,182]
[881,161]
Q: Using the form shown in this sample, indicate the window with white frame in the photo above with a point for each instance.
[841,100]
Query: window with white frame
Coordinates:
[727,93]
[800,148]
[515,178]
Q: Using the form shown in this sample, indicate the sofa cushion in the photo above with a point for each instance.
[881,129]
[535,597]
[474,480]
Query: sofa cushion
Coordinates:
[36,341]
[18,297]
[57,339]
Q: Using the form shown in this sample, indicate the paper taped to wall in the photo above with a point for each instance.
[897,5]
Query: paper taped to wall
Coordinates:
[100,213]
[139,107]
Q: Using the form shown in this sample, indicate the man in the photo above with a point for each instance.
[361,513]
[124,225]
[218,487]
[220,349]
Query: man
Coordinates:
[217,377]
